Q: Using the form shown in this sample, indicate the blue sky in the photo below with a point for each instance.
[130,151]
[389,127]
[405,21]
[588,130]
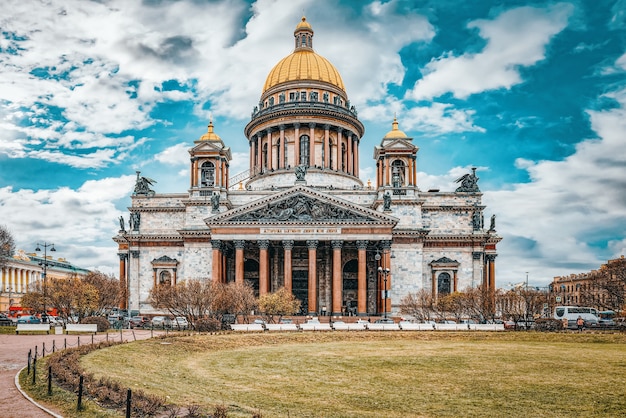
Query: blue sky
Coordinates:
[533,93]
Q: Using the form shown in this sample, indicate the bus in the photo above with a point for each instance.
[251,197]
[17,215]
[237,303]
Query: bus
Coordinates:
[571,313]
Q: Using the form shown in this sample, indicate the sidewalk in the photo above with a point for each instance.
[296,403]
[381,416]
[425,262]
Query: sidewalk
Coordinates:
[14,356]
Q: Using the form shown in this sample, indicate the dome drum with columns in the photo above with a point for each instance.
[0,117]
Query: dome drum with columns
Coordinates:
[301,218]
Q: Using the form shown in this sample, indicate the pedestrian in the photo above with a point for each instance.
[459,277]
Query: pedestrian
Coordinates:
[580,323]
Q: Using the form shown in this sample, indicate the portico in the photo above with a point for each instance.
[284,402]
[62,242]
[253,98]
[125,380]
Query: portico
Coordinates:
[317,246]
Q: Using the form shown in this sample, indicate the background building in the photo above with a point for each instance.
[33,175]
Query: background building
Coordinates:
[603,289]
[300,217]
[23,270]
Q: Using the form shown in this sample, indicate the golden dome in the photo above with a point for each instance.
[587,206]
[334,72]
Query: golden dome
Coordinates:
[210,135]
[395,133]
[303,63]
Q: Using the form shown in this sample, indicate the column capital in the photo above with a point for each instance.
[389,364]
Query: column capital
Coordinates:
[336,244]
[491,257]
[216,244]
[264,244]
[362,244]
[339,130]
[476,255]
[386,244]
[326,126]
[123,256]
[288,244]
[312,244]
[134,253]
[281,127]
[296,125]
[239,244]
[311,124]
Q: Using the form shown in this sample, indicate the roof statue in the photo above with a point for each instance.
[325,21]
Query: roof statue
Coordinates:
[469,183]
[300,172]
[142,186]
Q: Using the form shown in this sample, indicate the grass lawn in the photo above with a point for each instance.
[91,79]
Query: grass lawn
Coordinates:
[380,374]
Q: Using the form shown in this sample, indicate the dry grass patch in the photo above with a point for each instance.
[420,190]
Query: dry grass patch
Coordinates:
[369,374]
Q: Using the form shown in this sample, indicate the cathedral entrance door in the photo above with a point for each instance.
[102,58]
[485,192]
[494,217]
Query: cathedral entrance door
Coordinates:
[300,288]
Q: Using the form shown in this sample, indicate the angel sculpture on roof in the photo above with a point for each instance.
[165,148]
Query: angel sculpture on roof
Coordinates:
[469,182]
[142,186]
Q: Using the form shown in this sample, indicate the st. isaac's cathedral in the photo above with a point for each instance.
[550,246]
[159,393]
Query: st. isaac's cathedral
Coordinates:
[300,217]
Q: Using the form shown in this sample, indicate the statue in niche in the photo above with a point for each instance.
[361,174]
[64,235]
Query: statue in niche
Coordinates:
[122,226]
[281,98]
[134,221]
[215,202]
[142,186]
[477,222]
[469,183]
[300,172]
[492,227]
[325,97]
[386,201]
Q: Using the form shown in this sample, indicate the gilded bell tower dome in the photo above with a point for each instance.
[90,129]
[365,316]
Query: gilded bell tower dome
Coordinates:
[304,119]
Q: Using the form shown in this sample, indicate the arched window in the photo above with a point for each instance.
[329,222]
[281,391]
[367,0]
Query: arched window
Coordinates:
[265,156]
[278,151]
[207,176]
[165,278]
[343,157]
[304,150]
[443,284]
[397,173]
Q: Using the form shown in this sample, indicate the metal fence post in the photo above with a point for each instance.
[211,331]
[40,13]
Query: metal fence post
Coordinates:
[79,406]
[49,380]
[128,403]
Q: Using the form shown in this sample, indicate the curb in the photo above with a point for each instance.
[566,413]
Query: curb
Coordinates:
[31,400]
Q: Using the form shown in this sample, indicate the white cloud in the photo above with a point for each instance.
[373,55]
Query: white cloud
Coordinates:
[549,222]
[85,218]
[174,155]
[516,38]
[434,119]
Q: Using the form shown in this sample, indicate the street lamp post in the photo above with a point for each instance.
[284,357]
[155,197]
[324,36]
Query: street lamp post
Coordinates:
[384,272]
[44,265]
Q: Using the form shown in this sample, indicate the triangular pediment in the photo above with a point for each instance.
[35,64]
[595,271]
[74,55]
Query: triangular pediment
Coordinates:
[399,144]
[207,148]
[304,206]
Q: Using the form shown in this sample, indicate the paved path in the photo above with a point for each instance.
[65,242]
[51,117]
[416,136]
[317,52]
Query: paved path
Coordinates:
[14,356]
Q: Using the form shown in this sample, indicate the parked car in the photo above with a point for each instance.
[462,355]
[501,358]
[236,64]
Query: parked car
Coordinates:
[28,319]
[139,322]
[161,322]
[180,322]
[286,321]
[5,321]
[384,321]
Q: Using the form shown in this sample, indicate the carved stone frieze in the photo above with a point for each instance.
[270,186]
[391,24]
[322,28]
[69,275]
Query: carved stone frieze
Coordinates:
[300,208]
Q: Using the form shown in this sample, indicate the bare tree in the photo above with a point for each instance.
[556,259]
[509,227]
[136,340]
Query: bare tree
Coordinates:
[108,290]
[453,304]
[238,299]
[280,303]
[193,299]
[419,305]
[7,245]
[479,303]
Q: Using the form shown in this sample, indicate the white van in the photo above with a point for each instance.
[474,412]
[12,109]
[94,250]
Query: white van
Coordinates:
[571,313]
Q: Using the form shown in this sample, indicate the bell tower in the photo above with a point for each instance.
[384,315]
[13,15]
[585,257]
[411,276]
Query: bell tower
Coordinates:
[210,159]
